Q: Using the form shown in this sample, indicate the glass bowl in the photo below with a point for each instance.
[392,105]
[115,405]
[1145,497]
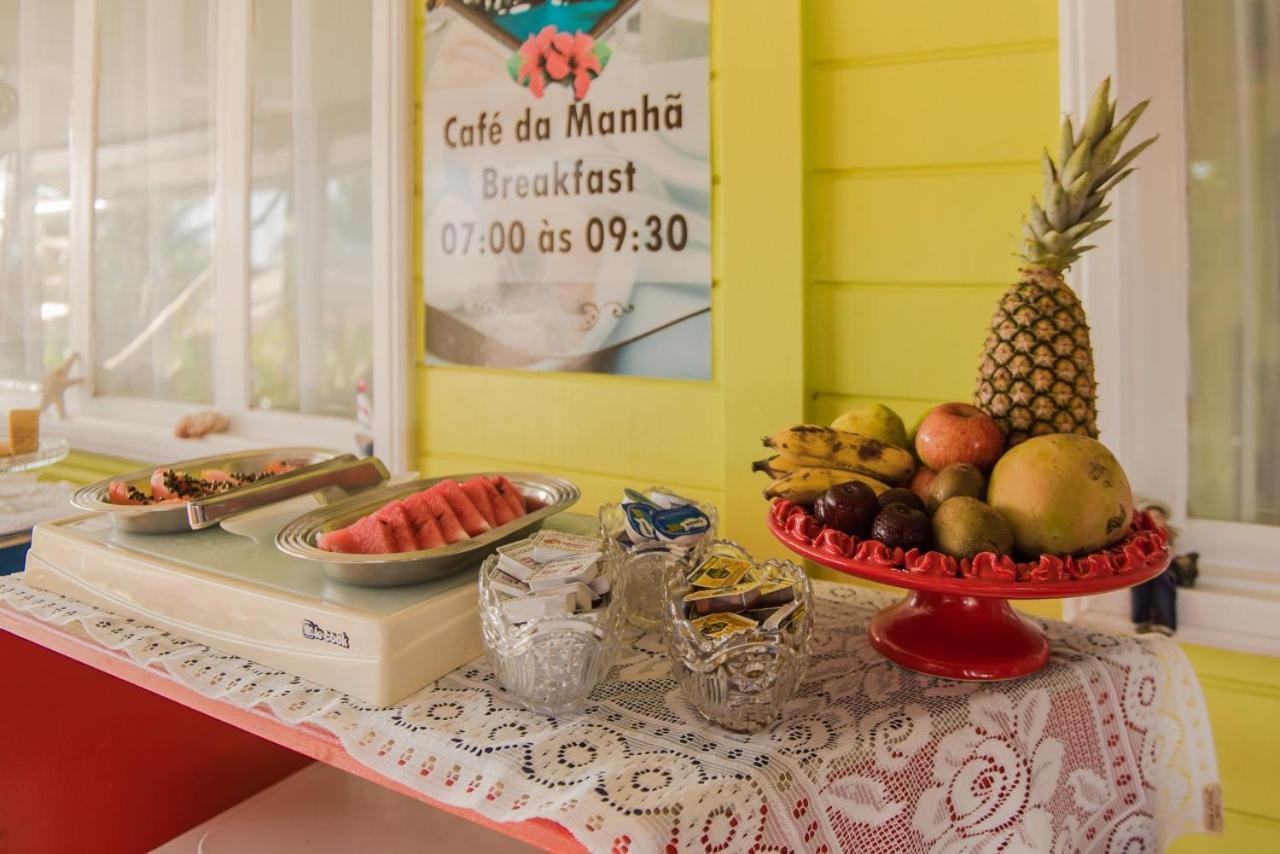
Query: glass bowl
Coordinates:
[741,681]
[550,664]
[642,571]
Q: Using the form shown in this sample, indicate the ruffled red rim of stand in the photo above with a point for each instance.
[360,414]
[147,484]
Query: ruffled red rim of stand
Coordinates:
[1140,556]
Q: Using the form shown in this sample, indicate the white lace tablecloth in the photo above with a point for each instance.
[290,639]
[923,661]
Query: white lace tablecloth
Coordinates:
[1107,748]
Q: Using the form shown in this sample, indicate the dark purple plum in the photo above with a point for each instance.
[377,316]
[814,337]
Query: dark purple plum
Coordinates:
[903,527]
[901,495]
[849,507]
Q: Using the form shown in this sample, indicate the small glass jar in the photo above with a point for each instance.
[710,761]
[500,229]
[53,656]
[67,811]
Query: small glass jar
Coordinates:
[742,681]
[642,571]
[549,664]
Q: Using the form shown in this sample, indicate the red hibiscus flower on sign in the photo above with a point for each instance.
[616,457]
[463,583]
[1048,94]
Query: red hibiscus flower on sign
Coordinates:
[551,56]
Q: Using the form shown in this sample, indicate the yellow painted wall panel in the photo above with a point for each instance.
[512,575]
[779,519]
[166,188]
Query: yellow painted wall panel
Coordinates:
[940,227]
[888,28]
[977,109]
[596,488]
[1242,832]
[919,341]
[1248,749]
[585,422]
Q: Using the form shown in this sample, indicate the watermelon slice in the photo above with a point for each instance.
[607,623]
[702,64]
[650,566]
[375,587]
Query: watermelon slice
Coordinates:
[502,512]
[472,522]
[394,517]
[475,490]
[435,505]
[512,495]
[373,536]
[424,522]
[341,540]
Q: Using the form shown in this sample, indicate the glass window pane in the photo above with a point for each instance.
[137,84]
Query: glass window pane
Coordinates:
[1233,136]
[153,232]
[35,94]
[310,252]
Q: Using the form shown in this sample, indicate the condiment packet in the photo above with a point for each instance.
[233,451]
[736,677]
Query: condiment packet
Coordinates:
[715,600]
[564,571]
[716,626]
[639,522]
[683,525]
[516,559]
[785,617]
[554,545]
[549,604]
[504,583]
[776,593]
[580,591]
[667,500]
[719,571]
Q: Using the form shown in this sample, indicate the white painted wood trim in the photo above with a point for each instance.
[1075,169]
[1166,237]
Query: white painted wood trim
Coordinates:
[1135,288]
[308,204]
[234,94]
[393,305]
[83,144]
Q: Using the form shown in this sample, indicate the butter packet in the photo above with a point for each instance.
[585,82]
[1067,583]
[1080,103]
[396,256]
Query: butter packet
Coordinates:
[719,571]
[715,600]
[785,617]
[682,525]
[773,593]
[717,626]
[579,568]
[554,545]
[551,604]
[516,559]
[509,586]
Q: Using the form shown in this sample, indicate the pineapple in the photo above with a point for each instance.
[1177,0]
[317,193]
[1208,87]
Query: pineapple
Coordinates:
[1036,374]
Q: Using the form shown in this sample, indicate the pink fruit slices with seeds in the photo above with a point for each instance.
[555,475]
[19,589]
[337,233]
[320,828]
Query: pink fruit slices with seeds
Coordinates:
[445,513]
[472,521]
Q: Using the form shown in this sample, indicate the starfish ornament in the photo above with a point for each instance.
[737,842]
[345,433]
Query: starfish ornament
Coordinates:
[54,388]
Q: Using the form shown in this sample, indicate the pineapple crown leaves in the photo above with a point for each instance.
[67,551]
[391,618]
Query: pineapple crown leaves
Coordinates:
[1089,164]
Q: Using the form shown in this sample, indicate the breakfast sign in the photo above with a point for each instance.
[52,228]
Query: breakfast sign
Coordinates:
[567,185]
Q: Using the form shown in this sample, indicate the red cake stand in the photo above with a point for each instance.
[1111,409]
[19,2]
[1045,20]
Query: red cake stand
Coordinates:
[957,627]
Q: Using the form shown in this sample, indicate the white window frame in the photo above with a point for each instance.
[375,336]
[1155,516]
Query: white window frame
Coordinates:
[1135,288]
[142,429]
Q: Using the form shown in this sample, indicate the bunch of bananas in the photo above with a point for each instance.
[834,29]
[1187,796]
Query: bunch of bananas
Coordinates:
[811,459]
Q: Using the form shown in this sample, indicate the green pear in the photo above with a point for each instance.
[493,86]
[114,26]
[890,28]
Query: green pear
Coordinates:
[875,421]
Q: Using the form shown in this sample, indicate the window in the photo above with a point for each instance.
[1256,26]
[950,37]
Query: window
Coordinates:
[199,198]
[35,186]
[1233,214]
[1183,292]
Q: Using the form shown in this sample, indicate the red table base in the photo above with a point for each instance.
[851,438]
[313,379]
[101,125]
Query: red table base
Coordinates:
[958,637]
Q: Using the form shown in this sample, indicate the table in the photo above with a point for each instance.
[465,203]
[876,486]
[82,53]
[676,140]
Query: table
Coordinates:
[1108,744]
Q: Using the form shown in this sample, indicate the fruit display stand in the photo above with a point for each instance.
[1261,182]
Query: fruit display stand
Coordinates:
[959,627]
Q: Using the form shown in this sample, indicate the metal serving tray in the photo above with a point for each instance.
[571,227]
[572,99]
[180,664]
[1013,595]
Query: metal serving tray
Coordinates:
[319,469]
[298,538]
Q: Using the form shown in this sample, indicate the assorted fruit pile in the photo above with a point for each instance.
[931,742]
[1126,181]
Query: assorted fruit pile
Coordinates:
[447,512]
[171,486]
[971,506]
[1018,474]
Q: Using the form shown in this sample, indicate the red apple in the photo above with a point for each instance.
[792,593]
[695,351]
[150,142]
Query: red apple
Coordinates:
[920,481]
[958,433]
